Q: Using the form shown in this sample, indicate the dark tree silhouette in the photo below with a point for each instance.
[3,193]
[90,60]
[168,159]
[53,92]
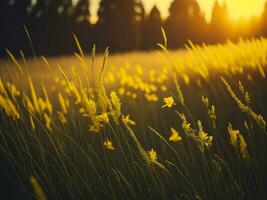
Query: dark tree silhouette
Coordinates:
[52,20]
[219,26]
[152,29]
[118,23]
[185,22]
[83,28]
[14,14]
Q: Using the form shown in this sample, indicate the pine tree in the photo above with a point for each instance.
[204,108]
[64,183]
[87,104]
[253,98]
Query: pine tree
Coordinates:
[219,24]
[119,22]
[152,29]
[184,22]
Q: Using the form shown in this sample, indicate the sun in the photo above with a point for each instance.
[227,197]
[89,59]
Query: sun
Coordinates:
[237,9]
[245,8]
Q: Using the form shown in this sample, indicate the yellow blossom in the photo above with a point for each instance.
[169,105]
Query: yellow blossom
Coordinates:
[13,90]
[95,127]
[62,117]
[2,87]
[163,88]
[134,95]
[48,122]
[169,102]
[102,117]
[108,144]
[126,119]
[75,93]
[121,91]
[28,104]
[9,107]
[204,139]
[82,110]
[116,105]
[175,137]
[62,103]
[152,155]
[151,97]
[42,105]
[238,142]
[186,126]
[233,135]
[186,79]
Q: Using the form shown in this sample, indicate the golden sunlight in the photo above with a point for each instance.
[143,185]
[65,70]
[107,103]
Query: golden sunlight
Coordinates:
[237,8]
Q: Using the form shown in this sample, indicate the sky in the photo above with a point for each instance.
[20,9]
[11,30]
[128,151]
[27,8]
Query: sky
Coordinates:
[237,8]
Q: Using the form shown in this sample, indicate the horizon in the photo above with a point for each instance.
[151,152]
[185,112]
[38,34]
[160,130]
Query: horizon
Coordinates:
[250,8]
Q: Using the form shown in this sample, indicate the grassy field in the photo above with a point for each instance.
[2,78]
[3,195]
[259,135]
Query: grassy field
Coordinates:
[187,124]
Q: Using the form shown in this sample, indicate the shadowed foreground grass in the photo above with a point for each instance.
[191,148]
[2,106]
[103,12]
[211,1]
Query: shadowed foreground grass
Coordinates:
[191,128]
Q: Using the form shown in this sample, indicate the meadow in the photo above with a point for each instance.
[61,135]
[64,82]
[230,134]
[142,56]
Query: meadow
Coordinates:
[186,124]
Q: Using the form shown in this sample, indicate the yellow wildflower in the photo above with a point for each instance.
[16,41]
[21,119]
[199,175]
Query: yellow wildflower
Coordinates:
[62,117]
[233,135]
[126,120]
[212,113]
[108,144]
[169,102]
[238,141]
[116,105]
[186,79]
[186,126]
[163,88]
[175,137]
[42,105]
[102,117]
[48,122]
[2,87]
[13,90]
[75,92]
[28,104]
[90,107]
[152,155]
[95,127]
[62,103]
[205,140]
[151,97]
[205,100]
[9,107]
[121,91]
[82,110]
[134,95]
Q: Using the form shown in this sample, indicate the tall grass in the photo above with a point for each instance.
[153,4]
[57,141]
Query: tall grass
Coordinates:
[189,130]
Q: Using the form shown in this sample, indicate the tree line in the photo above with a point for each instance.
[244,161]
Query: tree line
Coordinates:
[122,25]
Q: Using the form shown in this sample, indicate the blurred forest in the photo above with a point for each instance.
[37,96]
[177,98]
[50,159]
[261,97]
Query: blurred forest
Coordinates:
[122,25]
